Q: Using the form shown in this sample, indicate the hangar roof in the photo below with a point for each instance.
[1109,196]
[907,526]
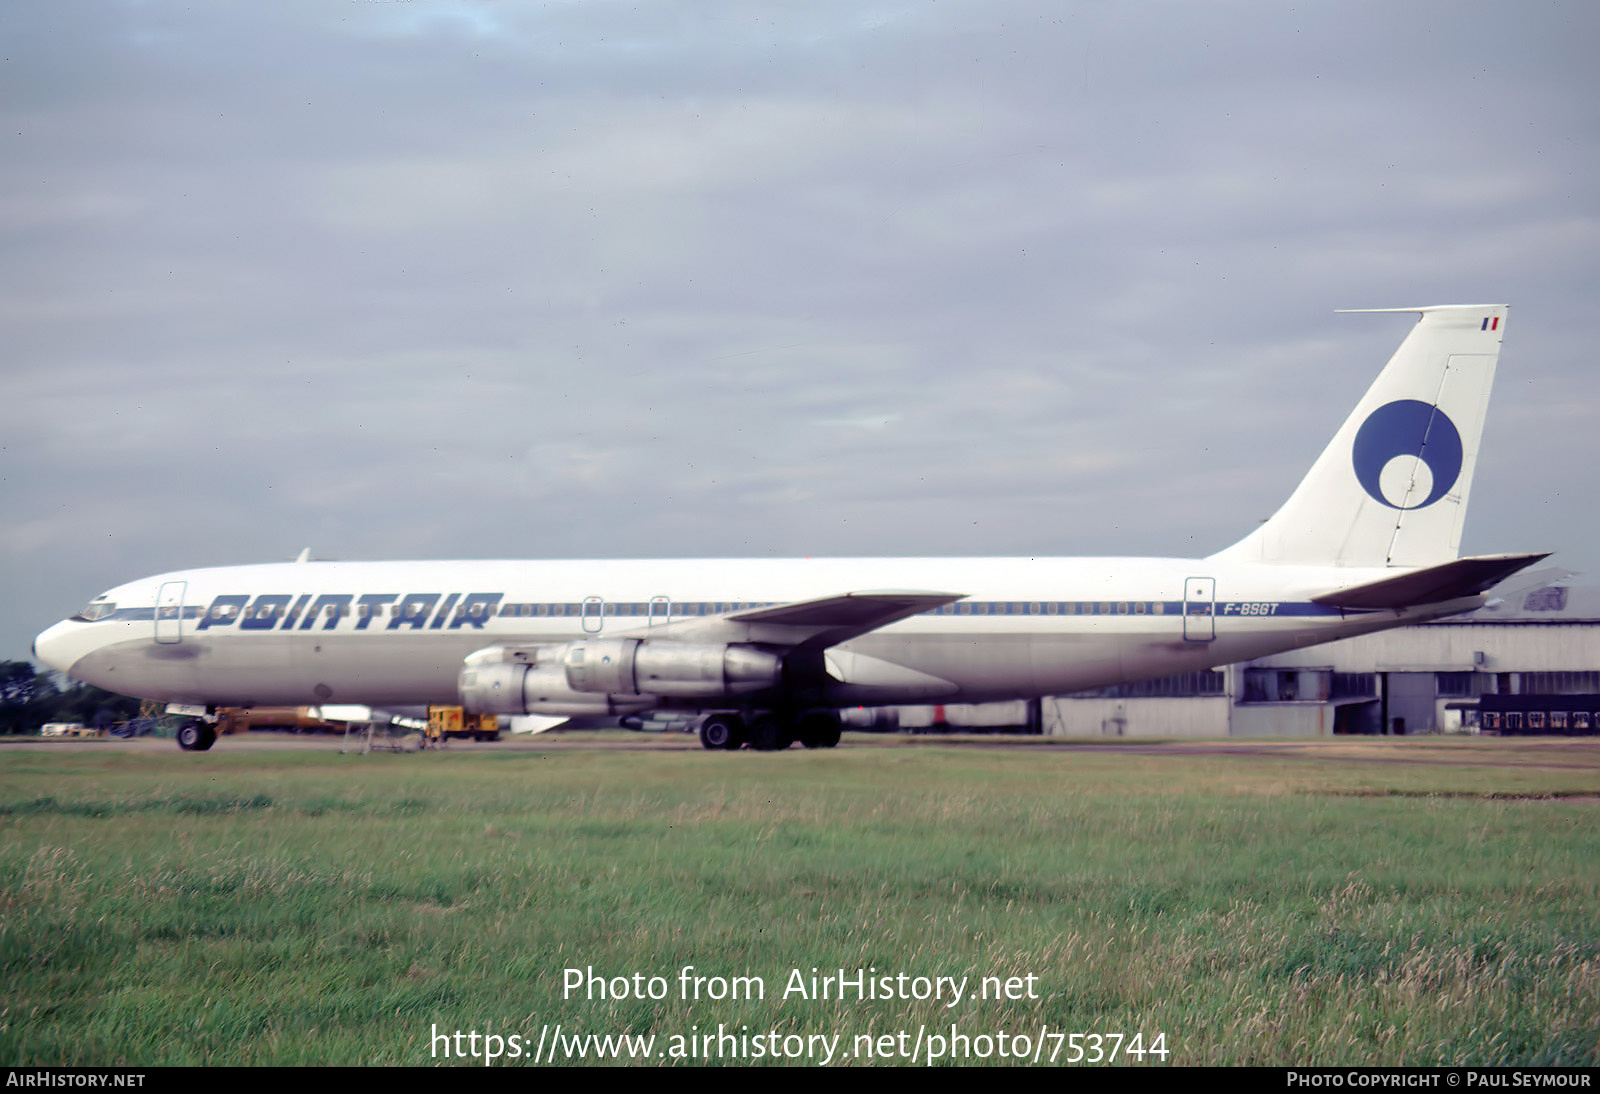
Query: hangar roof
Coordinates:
[1555,603]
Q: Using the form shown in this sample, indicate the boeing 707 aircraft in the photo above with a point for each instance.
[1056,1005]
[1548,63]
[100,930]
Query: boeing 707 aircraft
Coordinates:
[771,649]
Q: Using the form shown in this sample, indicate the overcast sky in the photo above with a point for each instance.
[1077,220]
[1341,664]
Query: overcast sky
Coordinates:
[449,279]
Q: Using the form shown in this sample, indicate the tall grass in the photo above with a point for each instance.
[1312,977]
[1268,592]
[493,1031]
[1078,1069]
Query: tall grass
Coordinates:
[306,907]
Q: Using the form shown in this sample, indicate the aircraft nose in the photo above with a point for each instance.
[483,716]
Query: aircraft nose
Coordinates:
[49,648]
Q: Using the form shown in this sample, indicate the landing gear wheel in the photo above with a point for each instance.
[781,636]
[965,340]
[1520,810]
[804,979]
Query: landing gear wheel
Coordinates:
[771,733]
[196,737]
[819,729]
[722,731]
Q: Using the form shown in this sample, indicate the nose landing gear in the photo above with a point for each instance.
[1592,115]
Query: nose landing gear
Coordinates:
[196,736]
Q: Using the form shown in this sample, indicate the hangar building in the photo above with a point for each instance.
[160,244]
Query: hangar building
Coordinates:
[1529,662]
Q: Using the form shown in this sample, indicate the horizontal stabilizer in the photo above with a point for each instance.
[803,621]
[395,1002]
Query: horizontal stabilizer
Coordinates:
[1433,584]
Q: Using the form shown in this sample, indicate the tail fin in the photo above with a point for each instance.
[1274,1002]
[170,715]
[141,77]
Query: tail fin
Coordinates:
[1391,489]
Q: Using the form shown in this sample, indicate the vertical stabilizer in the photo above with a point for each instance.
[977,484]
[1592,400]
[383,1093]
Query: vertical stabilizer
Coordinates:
[1391,489]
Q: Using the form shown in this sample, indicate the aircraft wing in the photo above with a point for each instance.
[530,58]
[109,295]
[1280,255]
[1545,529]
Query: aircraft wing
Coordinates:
[807,624]
[1432,584]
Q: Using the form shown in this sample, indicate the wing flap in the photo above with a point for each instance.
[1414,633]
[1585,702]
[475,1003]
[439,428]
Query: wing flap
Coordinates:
[1431,585]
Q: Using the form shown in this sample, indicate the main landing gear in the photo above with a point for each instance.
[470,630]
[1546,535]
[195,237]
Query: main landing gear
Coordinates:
[196,736]
[770,730]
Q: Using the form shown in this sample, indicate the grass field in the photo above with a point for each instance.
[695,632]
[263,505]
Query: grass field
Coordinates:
[1393,902]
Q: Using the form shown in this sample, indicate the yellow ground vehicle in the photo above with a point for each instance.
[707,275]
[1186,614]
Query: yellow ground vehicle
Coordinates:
[453,723]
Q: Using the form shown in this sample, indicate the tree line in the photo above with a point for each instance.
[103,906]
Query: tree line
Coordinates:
[30,698]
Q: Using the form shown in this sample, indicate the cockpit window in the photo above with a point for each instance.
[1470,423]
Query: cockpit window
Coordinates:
[97,609]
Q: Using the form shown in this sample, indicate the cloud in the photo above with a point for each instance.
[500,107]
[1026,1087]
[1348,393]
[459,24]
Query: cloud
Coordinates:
[581,279]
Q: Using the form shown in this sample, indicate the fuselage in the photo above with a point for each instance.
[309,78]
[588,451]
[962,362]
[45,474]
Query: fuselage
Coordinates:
[396,633]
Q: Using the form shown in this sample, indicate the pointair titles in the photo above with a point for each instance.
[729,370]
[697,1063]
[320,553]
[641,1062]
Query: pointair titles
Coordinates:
[394,611]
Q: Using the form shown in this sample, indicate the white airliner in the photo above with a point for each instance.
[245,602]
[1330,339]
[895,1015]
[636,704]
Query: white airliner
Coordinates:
[772,648]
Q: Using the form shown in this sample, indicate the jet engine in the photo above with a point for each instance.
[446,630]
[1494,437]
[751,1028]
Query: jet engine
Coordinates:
[611,675]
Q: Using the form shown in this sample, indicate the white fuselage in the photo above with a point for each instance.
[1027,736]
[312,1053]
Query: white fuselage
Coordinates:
[396,633]
[1369,539]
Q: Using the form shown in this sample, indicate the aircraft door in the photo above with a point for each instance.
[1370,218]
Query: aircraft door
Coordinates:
[169,612]
[594,614]
[1199,608]
[660,610]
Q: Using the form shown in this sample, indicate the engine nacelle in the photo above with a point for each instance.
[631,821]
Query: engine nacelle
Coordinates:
[518,687]
[610,675]
[682,670]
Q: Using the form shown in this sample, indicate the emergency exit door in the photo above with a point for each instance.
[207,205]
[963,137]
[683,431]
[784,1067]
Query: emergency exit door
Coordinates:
[169,612]
[1199,609]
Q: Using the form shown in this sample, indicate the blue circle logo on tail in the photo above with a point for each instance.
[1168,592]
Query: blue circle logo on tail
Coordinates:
[1399,429]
